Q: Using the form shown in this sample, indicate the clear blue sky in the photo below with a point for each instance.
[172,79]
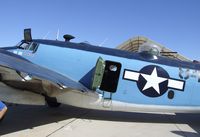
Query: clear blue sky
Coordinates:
[174,23]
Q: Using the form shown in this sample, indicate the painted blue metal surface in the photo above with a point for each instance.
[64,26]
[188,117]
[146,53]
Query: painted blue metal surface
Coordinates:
[118,53]
[19,64]
[76,61]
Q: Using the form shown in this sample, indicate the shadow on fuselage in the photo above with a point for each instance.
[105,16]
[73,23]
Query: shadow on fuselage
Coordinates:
[22,117]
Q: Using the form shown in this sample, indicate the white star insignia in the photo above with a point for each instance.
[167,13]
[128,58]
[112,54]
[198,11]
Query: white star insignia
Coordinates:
[153,81]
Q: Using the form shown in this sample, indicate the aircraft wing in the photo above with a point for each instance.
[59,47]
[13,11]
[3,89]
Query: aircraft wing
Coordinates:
[16,71]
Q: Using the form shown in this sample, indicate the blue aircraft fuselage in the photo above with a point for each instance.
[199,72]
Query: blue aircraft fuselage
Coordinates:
[142,79]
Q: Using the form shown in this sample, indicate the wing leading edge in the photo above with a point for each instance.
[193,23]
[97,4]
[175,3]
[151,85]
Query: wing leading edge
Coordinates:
[27,70]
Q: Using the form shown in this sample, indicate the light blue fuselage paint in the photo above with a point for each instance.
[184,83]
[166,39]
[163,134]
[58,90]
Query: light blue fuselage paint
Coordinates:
[76,63]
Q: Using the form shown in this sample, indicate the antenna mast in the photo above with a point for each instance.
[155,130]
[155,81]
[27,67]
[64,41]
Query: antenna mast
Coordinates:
[57,36]
[103,42]
[46,35]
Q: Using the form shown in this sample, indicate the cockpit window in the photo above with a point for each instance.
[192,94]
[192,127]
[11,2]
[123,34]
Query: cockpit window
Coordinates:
[24,45]
[31,46]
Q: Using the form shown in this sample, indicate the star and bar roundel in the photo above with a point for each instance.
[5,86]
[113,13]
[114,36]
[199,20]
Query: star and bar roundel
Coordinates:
[153,81]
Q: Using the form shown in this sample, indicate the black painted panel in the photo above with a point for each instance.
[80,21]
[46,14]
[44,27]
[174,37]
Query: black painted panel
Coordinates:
[111,76]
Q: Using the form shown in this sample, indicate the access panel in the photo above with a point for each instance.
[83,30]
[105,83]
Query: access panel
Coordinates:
[111,76]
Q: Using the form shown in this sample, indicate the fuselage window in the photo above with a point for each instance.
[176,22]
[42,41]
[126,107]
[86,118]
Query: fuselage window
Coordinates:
[24,45]
[33,47]
[29,46]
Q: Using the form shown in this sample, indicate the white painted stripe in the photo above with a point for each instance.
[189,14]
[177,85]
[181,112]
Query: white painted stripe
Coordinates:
[131,75]
[175,84]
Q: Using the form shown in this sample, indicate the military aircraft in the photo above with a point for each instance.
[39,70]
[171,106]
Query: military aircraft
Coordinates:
[41,71]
